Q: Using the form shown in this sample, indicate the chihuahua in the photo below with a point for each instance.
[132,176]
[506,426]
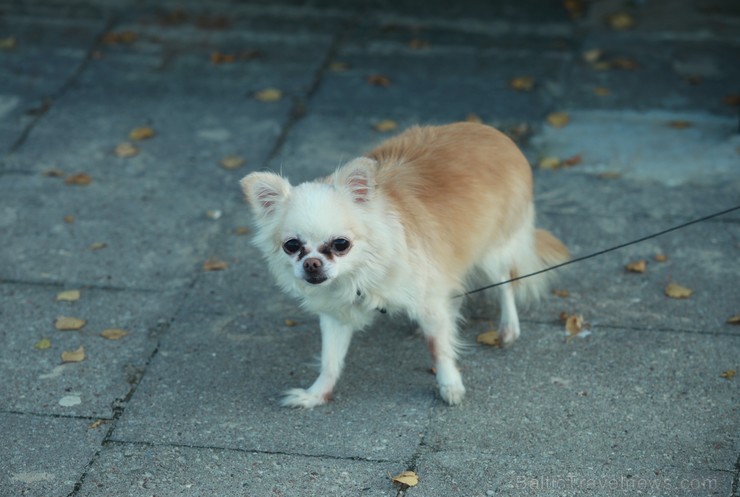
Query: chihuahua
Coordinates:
[402,229]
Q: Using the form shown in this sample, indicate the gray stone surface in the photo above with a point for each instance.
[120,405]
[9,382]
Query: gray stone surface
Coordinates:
[188,402]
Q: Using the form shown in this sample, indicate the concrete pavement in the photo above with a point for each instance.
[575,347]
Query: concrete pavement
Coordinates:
[642,402]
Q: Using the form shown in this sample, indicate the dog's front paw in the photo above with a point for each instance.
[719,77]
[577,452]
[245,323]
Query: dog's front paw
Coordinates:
[299,397]
[452,393]
[508,333]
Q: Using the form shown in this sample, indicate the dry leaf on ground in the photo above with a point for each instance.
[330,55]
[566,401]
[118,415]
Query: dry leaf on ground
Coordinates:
[573,161]
[489,338]
[620,21]
[732,100]
[379,80]
[69,219]
[592,56]
[290,323]
[729,374]
[660,257]
[42,344]
[522,83]
[637,266]
[67,323]
[734,319]
[385,125]
[418,44]
[575,325]
[8,43]
[241,230]
[232,162]
[214,264]
[113,333]
[221,58]
[408,478]
[601,91]
[97,423]
[561,293]
[558,119]
[74,355]
[125,150]
[680,124]
[269,95]
[472,118]
[550,163]
[114,38]
[68,296]
[676,291]
[141,133]
[79,179]
[338,66]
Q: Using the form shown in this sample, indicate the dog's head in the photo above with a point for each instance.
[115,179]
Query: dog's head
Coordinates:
[314,232]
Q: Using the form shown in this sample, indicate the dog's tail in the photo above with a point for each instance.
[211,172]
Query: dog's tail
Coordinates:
[548,251]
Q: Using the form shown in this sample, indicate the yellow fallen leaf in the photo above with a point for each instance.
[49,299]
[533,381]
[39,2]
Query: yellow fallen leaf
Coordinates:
[418,44]
[558,119]
[42,344]
[241,230]
[637,266]
[214,264]
[114,38]
[113,333]
[620,21]
[379,80]
[592,56]
[489,338]
[385,125]
[8,43]
[125,150]
[68,296]
[550,163]
[141,133]
[676,291]
[338,66]
[74,355]
[66,323]
[408,478]
[69,219]
[97,423]
[290,323]
[623,63]
[98,246]
[609,175]
[522,83]
[221,58]
[729,374]
[232,162]
[269,95]
[573,161]
[561,293]
[660,257]
[734,319]
[79,179]
[680,124]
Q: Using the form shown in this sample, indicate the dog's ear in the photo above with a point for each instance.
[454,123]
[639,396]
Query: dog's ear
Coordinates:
[264,191]
[358,178]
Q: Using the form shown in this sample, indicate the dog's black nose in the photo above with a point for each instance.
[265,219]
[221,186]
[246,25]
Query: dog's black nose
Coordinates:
[312,265]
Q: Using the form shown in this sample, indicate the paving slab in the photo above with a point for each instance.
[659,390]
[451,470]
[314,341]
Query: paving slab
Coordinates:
[217,383]
[45,455]
[621,404]
[37,380]
[130,469]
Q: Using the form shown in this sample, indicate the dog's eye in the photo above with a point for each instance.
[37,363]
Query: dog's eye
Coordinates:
[292,246]
[340,245]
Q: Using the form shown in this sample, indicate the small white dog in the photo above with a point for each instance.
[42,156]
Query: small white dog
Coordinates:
[401,229]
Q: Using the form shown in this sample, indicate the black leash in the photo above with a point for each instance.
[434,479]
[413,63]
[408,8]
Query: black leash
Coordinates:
[605,251]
